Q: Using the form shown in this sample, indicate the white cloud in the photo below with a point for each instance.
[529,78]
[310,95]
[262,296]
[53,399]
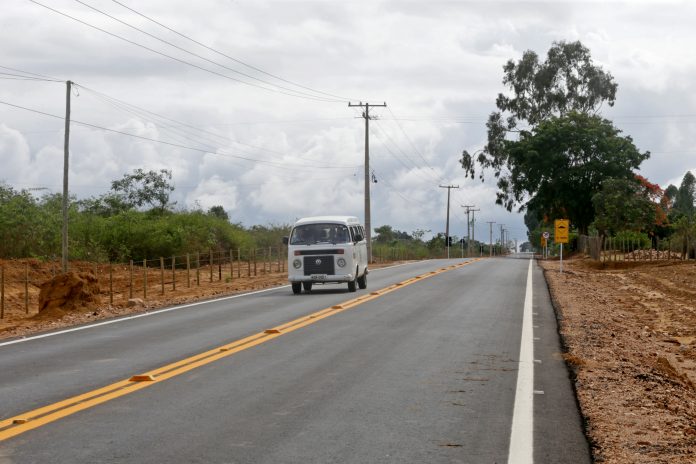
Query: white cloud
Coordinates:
[437,64]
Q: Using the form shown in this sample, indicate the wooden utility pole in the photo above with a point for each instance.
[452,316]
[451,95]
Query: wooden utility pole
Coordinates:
[66,148]
[449,189]
[368,225]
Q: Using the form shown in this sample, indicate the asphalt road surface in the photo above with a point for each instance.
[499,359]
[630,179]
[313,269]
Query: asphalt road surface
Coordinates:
[428,371]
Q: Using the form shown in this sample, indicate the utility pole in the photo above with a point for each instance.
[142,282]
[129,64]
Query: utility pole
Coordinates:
[66,148]
[473,224]
[490,238]
[368,225]
[501,238]
[449,189]
[468,236]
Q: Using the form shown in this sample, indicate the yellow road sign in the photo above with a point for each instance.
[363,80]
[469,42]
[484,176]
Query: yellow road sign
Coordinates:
[561,229]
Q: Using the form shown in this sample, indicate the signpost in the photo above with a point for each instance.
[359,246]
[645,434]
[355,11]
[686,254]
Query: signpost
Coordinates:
[560,234]
[545,244]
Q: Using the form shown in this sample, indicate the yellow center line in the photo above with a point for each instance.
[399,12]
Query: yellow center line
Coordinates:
[44,415]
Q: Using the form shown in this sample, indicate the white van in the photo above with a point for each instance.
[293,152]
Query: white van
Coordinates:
[327,249]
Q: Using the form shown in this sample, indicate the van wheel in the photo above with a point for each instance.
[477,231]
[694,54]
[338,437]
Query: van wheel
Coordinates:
[351,284]
[296,288]
[307,286]
[362,280]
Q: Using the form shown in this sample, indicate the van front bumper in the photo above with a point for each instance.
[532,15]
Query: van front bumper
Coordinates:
[318,278]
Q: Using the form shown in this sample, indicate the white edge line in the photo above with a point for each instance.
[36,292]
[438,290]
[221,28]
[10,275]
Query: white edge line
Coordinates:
[522,431]
[160,311]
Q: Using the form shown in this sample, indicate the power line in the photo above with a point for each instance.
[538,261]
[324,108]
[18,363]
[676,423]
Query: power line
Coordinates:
[188,51]
[49,78]
[163,142]
[229,57]
[296,94]
[145,114]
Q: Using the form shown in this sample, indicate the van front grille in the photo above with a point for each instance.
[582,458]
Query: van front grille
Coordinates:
[318,265]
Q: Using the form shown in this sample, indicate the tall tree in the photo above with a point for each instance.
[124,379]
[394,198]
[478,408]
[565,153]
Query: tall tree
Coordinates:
[145,188]
[557,167]
[685,197]
[558,160]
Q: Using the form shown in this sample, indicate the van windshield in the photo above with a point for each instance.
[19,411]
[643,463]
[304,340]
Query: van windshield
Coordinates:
[309,234]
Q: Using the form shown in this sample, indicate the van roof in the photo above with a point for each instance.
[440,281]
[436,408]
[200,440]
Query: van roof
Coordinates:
[320,219]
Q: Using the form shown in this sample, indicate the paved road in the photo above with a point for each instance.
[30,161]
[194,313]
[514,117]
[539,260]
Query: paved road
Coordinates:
[426,373]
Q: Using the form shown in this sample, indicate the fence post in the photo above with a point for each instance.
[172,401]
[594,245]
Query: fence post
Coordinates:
[231,264]
[198,268]
[279,253]
[188,271]
[210,262]
[239,263]
[26,287]
[173,273]
[249,264]
[254,253]
[130,285]
[2,292]
[144,278]
[220,267]
[111,284]
[162,274]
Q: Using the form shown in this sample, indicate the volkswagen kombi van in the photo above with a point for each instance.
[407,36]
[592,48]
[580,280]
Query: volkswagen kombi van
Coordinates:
[327,249]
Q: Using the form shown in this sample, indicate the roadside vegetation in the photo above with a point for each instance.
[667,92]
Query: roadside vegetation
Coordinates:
[134,220]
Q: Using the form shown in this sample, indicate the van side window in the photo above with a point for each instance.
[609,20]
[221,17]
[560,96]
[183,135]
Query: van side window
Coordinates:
[352,233]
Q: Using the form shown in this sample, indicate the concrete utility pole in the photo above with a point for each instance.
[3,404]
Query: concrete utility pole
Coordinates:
[449,189]
[501,238]
[368,225]
[490,237]
[473,224]
[66,147]
[468,239]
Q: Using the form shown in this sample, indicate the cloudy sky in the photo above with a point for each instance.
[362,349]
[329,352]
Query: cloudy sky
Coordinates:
[255,116]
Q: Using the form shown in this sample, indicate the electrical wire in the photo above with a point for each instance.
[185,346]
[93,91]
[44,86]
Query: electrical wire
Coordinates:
[30,74]
[292,94]
[190,52]
[230,57]
[148,115]
[163,142]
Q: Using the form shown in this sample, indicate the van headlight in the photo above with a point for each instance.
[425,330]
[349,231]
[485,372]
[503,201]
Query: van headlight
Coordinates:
[297,264]
[341,262]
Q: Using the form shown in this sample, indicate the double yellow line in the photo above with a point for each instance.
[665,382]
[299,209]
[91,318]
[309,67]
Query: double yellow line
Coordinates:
[38,417]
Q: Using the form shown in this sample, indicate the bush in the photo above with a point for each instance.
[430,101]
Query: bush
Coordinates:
[630,240]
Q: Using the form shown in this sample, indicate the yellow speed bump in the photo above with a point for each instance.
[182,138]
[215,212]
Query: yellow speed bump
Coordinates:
[142,378]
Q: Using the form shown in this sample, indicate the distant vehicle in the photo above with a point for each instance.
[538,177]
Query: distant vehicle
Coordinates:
[327,249]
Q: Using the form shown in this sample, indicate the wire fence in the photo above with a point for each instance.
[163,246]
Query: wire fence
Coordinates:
[611,249]
[20,283]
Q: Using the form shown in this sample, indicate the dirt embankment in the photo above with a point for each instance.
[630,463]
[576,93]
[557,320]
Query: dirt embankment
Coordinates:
[38,298]
[630,336]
